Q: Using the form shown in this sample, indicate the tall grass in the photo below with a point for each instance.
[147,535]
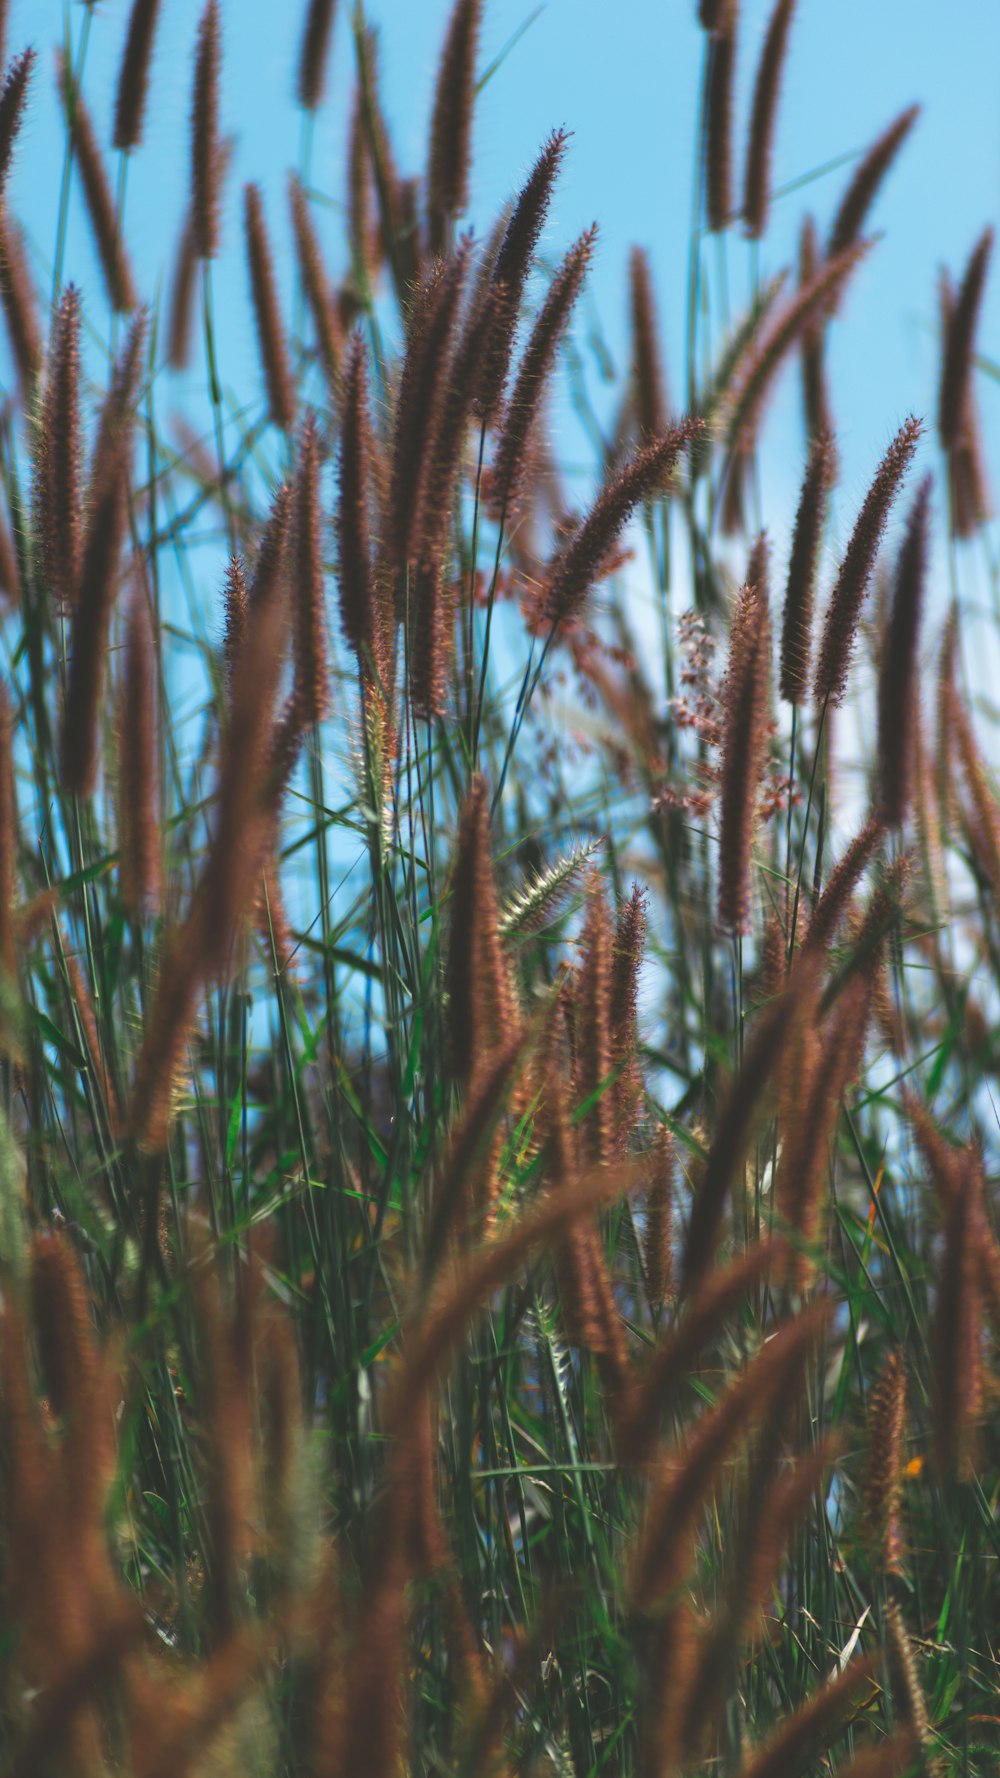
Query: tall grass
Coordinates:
[498,1268]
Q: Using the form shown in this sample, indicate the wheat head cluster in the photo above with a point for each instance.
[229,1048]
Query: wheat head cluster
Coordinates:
[498,1255]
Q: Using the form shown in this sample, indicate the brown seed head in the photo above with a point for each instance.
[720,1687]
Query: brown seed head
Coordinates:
[821,1065]
[63,1325]
[581,560]
[482,1012]
[268,582]
[446,450]
[858,561]
[377,151]
[206,155]
[58,485]
[781,330]
[113,446]
[723,1292]
[743,1105]
[451,121]
[133,75]
[883,1477]
[180,320]
[20,304]
[593,1007]
[363,231]
[510,270]
[684,1486]
[718,128]
[89,637]
[757,180]
[908,1695]
[316,286]
[897,684]
[840,885]
[815,393]
[868,176]
[969,502]
[12,108]
[957,1335]
[647,364]
[182,293]
[758,573]
[626,961]
[746,695]
[356,577]
[657,1245]
[812,1726]
[421,395]
[539,357]
[313,54]
[810,519]
[235,604]
[956,369]
[267,313]
[312,676]
[137,761]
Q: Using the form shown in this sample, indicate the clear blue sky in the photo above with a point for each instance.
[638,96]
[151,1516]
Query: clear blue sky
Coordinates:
[623,75]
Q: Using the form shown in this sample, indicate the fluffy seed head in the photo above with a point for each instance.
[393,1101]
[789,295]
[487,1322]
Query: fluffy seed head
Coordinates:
[718,137]
[316,36]
[815,393]
[757,182]
[133,75]
[883,1478]
[581,560]
[510,271]
[657,1246]
[98,586]
[593,1009]
[868,176]
[419,402]
[482,1016]
[810,519]
[206,162]
[312,679]
[744,743]
[355,571]
[957,1335]
[270,333]
[779,334]
[956,369]
[12,108]
[841,883]
[20,303]
[316,285]
[58,485]
[897,683]
[647,363]
[451,122]
[847,597]
[539,357]
[137,761]
[626,961]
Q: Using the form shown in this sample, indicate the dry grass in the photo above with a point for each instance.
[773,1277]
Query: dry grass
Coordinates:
[498,1269]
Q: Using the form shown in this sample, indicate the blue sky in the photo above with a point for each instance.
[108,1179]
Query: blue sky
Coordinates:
[624,77]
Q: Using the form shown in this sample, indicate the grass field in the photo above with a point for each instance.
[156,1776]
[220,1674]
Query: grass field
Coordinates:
[498,1014]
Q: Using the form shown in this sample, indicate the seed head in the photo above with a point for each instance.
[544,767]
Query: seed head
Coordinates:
[847,597]
[133,75]
[206,156]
